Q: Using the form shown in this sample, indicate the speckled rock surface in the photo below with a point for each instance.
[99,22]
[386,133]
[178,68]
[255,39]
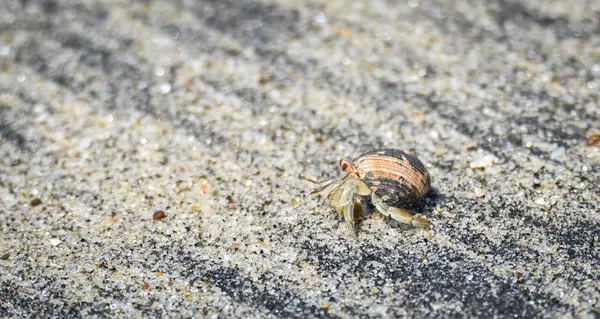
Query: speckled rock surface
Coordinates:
[154,155]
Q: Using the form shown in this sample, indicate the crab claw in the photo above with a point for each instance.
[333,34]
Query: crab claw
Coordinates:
[405,217]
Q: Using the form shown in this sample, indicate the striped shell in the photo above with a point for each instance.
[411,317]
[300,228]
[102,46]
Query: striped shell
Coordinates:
[397,177]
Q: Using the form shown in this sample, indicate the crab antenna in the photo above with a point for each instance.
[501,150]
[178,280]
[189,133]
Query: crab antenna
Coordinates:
[308,179]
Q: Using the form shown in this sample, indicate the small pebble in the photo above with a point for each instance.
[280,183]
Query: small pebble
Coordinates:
[35,202]
[594,140]
[483,162]
[54,241]
[159,215]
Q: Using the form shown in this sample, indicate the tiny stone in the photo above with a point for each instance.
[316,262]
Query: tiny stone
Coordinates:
[35,202]
[164,88]
[321,18]
[519,276]
[4,50]
[5,257]
[594,140]
[483,162]
[159,215]
[54,241]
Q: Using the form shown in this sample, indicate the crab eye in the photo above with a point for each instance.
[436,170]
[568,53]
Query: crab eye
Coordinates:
[344,165]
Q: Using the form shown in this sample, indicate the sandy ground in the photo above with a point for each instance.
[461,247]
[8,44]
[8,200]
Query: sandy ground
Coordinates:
[153,156]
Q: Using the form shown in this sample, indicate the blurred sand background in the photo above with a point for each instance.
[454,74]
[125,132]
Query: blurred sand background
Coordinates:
[152,155]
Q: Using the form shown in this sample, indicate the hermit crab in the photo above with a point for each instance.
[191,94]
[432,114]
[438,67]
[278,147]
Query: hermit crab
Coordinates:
[390,177]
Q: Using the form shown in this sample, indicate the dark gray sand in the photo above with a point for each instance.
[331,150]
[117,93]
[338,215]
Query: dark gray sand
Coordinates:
[152,155]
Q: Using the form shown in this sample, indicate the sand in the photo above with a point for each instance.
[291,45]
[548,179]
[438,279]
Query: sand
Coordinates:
[154,157]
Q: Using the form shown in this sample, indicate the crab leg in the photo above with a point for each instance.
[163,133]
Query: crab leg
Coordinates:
[398,214]
[335,198]
[326,185]
[321,186]
[345,203]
